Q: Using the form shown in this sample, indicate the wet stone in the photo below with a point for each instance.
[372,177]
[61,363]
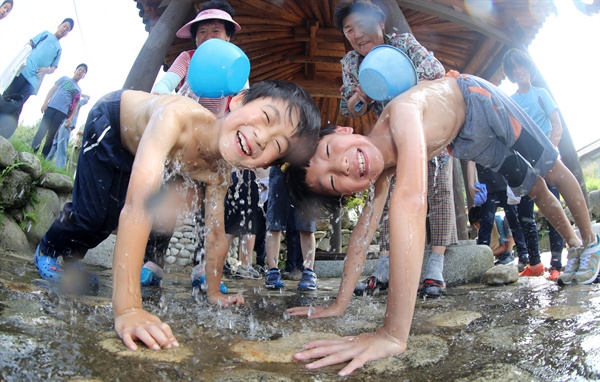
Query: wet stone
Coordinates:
[16,346]
[280,350]
[421,350]
[561,312]
[19,287]
[500,372]
[454,319]
[115,345]
[504,338]
[28,313]
[249,376]
[501,274]
[425,349]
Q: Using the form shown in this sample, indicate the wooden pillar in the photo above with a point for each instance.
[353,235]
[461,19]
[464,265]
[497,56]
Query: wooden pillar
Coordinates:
[459,201]
[148,62]
[336,230]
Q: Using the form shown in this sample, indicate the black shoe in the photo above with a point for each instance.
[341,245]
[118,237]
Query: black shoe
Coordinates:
[369,286]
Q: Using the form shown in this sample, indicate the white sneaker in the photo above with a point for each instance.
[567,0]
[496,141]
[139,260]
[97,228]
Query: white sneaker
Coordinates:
[247,272]
[589,261]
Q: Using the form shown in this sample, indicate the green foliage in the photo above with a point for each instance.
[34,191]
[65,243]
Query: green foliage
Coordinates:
[356,202]
[590,174]
[28,217]
[9,169]
[21,141]
[23,136]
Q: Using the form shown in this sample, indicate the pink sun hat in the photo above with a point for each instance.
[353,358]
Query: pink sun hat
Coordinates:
[207,14]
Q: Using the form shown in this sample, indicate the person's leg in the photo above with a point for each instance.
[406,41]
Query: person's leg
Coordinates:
[53,149]
[273,243]
[62,142]
[529,228]
[42,130]
[517,232]
[260,244]
[486,219]
[381,276]
[294,262]
[556,243]
[246,249]
[277,211]
[589,253]
[98,195]
[308,245]
[551,208]
[57,118]
[442,222]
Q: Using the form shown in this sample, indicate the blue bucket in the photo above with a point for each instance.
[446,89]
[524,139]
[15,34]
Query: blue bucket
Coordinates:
[218,69]
[386,72]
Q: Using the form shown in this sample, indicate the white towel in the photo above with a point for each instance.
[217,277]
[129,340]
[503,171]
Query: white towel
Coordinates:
[14,68]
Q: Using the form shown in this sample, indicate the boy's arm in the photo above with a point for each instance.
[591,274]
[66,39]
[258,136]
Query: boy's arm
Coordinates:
[355,255]
[557,129]
[216,244]
[131,320]
[471,178]
[407,243]
[49,97]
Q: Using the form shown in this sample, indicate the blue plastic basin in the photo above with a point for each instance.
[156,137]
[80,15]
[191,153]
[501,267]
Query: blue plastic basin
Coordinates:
[386,72]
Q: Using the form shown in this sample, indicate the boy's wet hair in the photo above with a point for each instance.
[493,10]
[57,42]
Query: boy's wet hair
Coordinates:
[310,203]
[474,215]
[346,7]
[84,66]
[514,58]
[215,4]
[306,132]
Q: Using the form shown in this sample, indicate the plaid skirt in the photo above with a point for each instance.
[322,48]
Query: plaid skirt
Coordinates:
[441,217]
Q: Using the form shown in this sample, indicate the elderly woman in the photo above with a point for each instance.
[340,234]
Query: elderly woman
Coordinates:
[362,23]
[215,20]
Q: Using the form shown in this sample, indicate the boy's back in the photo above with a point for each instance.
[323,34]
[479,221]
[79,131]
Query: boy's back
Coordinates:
[192,130]
[443,115]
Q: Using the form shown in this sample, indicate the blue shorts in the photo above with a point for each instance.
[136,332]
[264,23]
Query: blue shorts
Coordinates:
[279,206]
[499,135]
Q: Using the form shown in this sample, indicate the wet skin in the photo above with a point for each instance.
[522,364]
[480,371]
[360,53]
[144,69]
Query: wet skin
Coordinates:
[172,129]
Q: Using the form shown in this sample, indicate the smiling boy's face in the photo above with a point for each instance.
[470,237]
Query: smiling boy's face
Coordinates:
[258,133]
[344,164]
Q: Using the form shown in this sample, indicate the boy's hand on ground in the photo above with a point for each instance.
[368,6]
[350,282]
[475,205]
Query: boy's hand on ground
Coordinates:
[357,349]
[225,300]
[317,311]
[137,324]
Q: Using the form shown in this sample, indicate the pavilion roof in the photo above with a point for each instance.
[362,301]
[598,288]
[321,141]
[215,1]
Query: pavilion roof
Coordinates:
[296,40]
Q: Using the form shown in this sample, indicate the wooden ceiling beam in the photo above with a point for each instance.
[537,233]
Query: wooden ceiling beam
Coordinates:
[447,13]
[313,60]
[484,54]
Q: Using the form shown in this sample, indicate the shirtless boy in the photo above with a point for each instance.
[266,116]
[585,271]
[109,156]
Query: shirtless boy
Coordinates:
[476,122]
[135,142]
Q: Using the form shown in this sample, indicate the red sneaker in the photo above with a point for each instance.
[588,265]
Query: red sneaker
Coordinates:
[536,270]
[554,275]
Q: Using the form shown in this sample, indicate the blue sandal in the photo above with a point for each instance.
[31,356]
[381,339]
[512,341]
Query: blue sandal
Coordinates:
[49,269]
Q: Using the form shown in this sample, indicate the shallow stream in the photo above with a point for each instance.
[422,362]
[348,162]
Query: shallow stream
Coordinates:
[531,330]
